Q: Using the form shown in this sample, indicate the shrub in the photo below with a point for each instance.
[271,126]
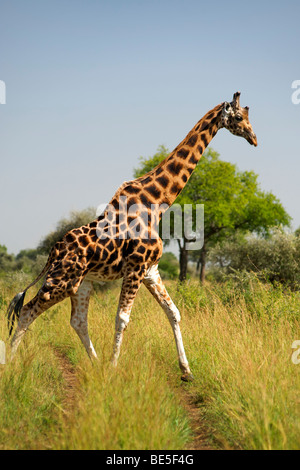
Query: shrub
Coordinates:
[276,258]
[169,266]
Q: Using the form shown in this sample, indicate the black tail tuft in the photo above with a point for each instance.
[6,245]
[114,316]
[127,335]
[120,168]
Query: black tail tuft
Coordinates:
[14,309]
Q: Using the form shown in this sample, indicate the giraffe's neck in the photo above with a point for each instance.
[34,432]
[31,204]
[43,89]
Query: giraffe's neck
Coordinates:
[169,178]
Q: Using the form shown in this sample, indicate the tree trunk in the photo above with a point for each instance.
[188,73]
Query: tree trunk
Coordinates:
[183,262]
[203,263]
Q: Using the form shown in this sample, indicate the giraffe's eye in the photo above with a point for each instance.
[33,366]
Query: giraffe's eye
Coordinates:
[238,118]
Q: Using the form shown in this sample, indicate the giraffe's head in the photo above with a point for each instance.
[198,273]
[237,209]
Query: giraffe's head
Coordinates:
[236,119]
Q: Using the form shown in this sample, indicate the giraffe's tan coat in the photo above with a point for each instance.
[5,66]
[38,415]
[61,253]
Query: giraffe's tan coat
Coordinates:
[85,255]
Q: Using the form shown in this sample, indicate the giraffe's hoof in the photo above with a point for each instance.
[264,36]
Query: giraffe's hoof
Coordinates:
[188,377]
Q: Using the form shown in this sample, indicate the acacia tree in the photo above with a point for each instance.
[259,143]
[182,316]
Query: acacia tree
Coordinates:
[232,201]
[74,220]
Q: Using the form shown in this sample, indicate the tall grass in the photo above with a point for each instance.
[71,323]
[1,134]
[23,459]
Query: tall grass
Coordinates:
[131,407]
[239,342]
[238,339]
[31,391]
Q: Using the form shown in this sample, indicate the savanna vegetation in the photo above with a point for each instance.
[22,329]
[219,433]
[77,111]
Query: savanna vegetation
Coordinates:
[233,202]
[238,337]
[238,329]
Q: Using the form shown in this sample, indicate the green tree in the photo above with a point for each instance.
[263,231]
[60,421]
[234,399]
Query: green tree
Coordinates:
[169,266]
[147,164]
[26,260]
[7,261]
[232,201]
[75,219]
[275,258]
[297,232]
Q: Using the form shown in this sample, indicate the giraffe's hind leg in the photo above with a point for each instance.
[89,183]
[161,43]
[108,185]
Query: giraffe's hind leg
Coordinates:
[154,284]
[80,305]
[31,311]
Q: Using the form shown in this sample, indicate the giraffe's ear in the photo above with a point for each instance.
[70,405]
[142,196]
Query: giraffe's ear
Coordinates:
[227,108]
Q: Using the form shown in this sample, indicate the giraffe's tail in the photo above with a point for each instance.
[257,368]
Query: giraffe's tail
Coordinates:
[13,311]
[15,306]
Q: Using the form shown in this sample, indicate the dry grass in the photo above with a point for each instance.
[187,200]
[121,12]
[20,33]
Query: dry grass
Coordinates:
[240,342]
[237,337]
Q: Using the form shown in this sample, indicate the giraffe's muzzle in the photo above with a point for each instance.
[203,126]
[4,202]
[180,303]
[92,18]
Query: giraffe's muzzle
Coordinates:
[252,139]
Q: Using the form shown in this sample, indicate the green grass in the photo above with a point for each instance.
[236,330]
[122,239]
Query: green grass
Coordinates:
[237,336]
[131,407]
[240,350]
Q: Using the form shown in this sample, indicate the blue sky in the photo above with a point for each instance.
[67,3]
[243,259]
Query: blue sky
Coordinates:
[92,85]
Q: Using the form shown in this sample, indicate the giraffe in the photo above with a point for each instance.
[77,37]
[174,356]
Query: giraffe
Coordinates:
[121,243]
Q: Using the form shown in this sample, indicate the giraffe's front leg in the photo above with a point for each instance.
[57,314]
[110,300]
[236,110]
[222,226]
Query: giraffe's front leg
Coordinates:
[155,285]
[130,287]
[122,320]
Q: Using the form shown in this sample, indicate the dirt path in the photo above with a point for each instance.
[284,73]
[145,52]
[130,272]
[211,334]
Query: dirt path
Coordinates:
[201,435]
[71,386]
[200,440]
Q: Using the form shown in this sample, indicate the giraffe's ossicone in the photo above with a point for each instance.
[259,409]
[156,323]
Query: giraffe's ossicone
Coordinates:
[124,241]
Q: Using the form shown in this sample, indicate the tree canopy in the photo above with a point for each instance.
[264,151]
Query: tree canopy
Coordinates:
[74,220]
[233,200]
